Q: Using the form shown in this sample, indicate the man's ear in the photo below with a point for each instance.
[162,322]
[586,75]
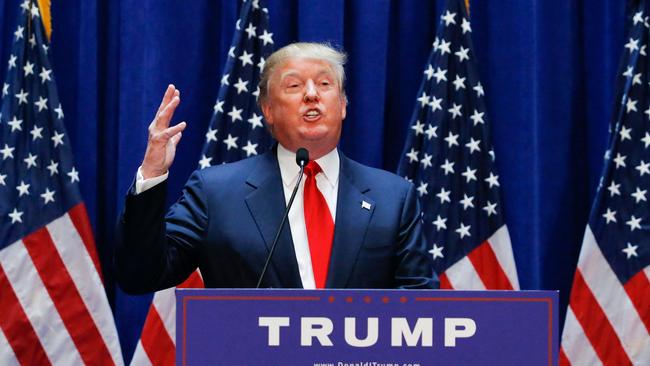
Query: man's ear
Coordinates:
[266,111]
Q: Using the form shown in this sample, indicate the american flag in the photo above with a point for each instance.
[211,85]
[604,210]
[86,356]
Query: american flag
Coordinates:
[236,131]
[157,344]
[52,300]
[448,156]
[608,319]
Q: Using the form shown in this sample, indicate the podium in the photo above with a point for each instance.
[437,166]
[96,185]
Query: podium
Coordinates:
[366,327]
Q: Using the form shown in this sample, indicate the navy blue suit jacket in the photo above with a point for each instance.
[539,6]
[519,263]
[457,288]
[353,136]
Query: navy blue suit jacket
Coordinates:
[226,219]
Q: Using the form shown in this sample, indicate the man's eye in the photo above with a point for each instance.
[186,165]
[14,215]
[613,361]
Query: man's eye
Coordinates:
[325,82]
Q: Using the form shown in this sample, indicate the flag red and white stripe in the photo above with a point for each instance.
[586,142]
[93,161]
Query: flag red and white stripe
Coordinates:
[157,344]
[607,322]
[53,305]
[490,266]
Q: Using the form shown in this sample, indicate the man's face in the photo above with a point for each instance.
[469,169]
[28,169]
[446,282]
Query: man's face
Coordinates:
[304,106]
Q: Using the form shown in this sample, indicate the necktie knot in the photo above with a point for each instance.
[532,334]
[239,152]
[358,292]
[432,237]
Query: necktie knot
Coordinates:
[312,169]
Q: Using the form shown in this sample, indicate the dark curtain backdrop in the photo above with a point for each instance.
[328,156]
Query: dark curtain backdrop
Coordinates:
[548,68]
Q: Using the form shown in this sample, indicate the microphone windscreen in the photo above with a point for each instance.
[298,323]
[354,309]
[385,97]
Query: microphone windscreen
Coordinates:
[302,156]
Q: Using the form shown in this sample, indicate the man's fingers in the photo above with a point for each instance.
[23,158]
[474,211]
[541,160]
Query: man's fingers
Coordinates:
[166,98]
[170,132]
[176,138]
[162,120]
[169,93]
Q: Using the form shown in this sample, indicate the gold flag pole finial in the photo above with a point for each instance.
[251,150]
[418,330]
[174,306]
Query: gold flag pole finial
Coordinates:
[46,17]
[467,6]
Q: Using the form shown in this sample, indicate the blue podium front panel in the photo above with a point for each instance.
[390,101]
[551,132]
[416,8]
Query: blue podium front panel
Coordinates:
[366,327]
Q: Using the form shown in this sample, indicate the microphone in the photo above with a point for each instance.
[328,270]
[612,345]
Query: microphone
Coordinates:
[302,157]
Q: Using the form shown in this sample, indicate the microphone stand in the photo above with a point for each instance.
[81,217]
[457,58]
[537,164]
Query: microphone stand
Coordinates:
[302,157]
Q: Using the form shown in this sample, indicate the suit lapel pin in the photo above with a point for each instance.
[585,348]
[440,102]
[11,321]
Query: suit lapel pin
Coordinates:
[365,205]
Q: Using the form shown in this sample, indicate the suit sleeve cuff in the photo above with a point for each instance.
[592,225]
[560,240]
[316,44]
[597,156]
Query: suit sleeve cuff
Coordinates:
[142,184]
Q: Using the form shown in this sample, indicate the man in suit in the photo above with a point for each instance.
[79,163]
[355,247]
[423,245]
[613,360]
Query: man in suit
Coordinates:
[350,226]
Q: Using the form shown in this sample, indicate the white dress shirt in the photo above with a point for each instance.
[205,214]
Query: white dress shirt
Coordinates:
[327,182]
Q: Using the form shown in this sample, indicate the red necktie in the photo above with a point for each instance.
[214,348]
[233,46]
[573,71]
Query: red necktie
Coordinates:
[320,227]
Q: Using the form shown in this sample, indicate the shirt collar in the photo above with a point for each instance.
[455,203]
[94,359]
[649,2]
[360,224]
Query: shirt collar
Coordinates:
[289,170]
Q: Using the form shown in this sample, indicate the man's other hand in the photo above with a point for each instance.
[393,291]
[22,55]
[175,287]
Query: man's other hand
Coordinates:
[161,146]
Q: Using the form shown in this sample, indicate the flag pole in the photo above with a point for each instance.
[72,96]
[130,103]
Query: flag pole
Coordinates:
[44,7]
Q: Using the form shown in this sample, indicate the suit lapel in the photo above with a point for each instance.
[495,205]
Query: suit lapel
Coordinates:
[266,204]
[352,219]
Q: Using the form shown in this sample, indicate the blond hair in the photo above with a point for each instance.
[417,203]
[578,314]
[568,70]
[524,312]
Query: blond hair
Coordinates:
[318,51]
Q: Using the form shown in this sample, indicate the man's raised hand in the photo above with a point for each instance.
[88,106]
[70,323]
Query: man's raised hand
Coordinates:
[161,146]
